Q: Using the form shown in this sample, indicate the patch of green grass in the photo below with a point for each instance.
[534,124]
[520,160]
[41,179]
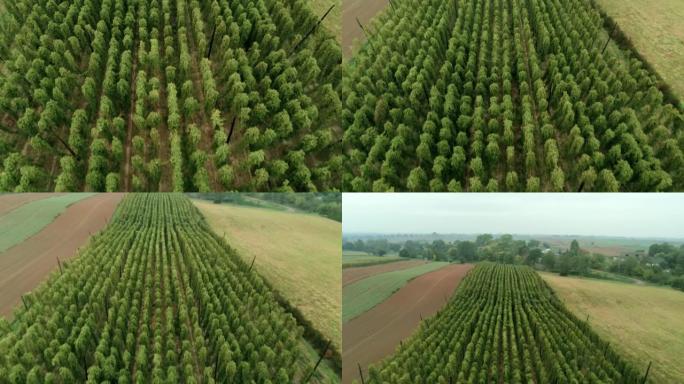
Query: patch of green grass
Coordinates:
[644,323]
[363,259]
[299,254]
[25,221]
[365,294]
[657,32]
[596,274]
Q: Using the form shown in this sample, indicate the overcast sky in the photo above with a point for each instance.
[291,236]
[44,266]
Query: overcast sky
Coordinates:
[623,214]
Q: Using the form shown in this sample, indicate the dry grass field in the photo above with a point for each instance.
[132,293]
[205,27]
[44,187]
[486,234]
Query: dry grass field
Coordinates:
[644,323]
[299,254]
[657,31]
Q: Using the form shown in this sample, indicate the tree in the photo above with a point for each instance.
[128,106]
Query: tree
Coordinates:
[467,250]
[417,180]
[549,261]
[483,239]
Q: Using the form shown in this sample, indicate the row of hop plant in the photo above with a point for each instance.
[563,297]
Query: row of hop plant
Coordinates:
[155,297]
[504,96]
[504,325]
[84,81]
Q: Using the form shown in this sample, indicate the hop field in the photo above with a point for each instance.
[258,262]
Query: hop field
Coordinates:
[156,297]
[167,95]
[504,95]
[504,325]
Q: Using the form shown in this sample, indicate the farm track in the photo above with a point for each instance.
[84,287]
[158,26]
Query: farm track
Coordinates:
[375,334]
[24,266]
[354,274]
[365,11]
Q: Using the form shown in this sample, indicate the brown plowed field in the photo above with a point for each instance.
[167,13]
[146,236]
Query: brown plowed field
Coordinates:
[24,266]
[364,11]
[11,201]
[374,335]
[352,275]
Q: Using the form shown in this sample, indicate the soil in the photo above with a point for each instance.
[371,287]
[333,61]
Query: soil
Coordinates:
[352,275]
[364,11]
[24,266]
[374,335]
[9,202]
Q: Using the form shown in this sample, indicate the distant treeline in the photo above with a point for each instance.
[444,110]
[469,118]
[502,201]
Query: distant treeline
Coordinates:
[325,204]
[662,264]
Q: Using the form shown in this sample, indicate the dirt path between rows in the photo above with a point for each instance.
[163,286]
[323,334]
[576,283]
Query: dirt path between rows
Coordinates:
[11,201]
[374,335]
[352,275]
[24,266]
[364,11]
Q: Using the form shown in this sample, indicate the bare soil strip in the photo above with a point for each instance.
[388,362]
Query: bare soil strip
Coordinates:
[11,201]
[364,11]
[352,275]
[24,266]
[374,335]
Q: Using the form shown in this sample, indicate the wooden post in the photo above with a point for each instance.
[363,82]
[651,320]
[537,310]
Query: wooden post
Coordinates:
[60,267]
[587,320]
[365,33]
[317,363]
[647,370]
[251,265]
[361,373]
[211,42]
[421,317]
[313,28]
[23,300]
[232,126]
[581,187]
[609,36]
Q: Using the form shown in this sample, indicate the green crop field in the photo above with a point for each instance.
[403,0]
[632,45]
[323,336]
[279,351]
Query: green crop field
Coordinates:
[155,297]
[655,28]
[363,259]
[177,96]
[643,323]
[21,223]
[504,325]
[298,253]
[511,96]
[371,291]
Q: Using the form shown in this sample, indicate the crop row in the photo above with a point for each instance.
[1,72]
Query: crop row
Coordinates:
[167,95]
[156,297]
[504,325]
[504,95]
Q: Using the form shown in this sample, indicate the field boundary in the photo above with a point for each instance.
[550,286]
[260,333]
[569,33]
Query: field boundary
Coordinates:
[625,42]
[317,340]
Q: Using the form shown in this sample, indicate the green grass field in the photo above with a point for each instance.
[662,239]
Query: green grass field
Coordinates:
[644,323]
[25,221]
[298,253]
[363,259]
[656,29]
[371,291]
[334,20]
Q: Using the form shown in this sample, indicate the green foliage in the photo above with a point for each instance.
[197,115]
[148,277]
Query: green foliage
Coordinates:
[484,76]
[79,73]
[514,298]
[130,302]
